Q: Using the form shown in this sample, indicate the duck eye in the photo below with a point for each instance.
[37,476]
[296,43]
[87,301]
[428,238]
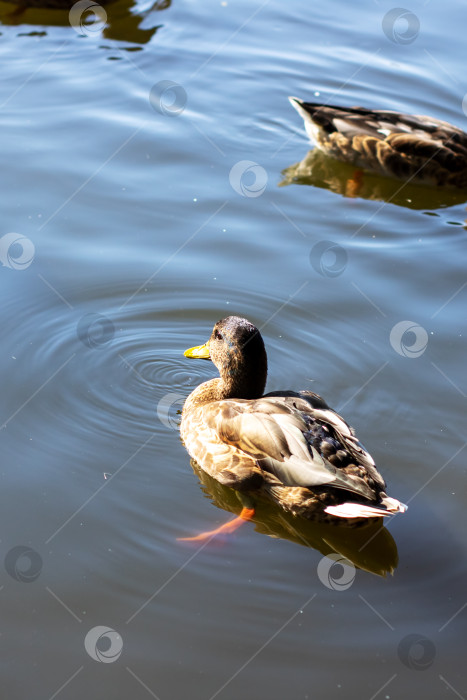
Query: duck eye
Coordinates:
[218,335]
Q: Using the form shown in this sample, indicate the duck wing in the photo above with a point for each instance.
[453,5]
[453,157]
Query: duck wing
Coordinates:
[351,121]
[288,436]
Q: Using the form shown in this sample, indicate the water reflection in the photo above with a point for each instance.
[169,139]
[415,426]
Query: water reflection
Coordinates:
[123,17]
[369,547]
[322,171]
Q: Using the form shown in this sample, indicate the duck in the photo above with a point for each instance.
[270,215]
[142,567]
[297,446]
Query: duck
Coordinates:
[288,445]
[415,148]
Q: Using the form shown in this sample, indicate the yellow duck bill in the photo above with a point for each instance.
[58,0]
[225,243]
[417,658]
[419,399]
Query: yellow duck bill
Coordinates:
[200,352]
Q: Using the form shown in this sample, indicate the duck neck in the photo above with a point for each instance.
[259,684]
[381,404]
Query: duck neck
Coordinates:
[232,385]
[243,382]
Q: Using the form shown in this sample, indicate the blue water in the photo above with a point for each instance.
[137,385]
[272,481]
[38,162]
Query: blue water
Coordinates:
[136,231]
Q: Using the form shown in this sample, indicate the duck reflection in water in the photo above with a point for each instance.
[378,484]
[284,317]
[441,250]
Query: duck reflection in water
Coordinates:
[320,170]
[369,547]
[122,18]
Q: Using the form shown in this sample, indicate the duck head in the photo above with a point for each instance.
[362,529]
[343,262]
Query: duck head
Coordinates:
[237,350]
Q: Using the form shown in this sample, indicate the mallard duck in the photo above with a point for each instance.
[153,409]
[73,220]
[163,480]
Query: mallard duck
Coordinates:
[289,445]
[419,149]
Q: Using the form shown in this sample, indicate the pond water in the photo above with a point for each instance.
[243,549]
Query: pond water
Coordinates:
[157,179]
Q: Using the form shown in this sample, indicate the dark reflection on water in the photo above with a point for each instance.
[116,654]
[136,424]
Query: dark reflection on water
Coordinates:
[120,22]
[369,547]
[319,170]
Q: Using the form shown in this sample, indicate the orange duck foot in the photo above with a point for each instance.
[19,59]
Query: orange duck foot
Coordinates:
[354,184]
[232,525]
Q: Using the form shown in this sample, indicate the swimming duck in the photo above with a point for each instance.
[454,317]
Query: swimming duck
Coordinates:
[419,149]
[289,445]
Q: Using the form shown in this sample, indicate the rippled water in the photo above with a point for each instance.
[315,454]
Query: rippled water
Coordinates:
[136,229]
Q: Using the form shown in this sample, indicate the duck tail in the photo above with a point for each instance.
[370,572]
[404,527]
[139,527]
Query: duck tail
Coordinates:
[297,104]
[388,506]
[308,110]
[315,119]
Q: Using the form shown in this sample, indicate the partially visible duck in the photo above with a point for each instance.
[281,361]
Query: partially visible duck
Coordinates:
[416,148]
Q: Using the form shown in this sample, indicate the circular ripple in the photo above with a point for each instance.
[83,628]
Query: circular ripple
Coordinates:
[119,371]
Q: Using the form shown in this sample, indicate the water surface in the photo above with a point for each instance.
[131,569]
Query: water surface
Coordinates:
[141,241]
